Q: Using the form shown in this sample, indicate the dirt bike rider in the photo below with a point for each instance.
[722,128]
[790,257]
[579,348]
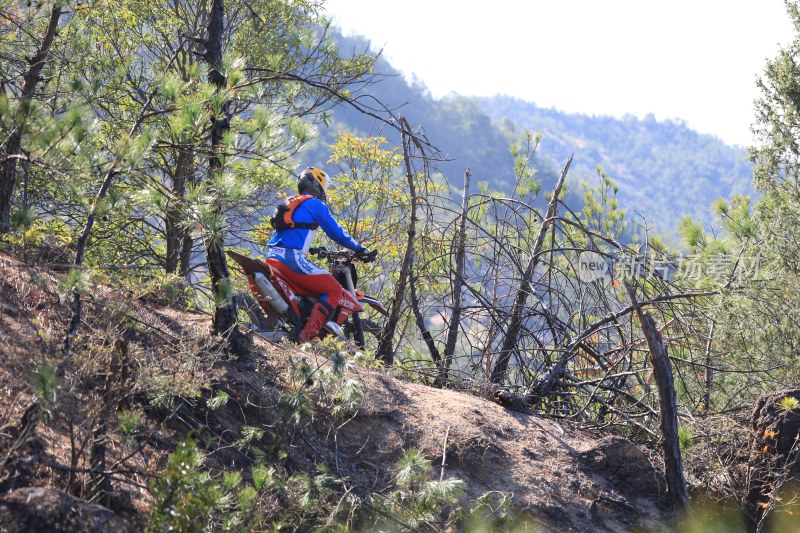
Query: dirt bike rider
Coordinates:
[288,248]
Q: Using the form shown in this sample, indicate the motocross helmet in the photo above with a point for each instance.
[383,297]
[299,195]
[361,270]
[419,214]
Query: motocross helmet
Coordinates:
[315,182]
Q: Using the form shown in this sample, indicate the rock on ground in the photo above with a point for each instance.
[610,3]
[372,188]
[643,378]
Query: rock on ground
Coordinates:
[36,509]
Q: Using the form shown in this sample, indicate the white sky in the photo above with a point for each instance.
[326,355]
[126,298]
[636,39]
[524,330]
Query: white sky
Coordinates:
[694,60]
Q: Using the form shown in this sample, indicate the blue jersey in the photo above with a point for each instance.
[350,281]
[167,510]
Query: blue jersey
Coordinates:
[313,210]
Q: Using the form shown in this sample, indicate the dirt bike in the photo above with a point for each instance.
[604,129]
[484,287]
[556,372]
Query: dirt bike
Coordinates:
[287,310]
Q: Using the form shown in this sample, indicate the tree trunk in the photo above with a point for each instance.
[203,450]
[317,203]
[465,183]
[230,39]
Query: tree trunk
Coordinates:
[515,323]
[186,255]
[8,179]
[225,309]
[8,170]
[83,240]
[709,377]
[387,334]
[668,407]
[174,226]
[100,484]
[426,334]
[80,251]
[458,283]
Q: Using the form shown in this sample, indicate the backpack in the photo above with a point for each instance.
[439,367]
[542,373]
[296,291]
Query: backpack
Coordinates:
[282,217]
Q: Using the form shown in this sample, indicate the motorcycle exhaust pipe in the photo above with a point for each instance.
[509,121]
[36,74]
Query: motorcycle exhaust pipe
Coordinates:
[270,293]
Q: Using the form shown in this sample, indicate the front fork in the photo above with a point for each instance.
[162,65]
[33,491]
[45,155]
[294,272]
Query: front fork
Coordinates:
[358,332]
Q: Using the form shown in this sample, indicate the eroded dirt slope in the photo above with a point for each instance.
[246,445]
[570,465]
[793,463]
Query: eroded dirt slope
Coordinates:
[570,480]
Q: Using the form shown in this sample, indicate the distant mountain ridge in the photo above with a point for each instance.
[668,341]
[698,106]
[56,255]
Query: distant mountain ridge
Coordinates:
[665,169]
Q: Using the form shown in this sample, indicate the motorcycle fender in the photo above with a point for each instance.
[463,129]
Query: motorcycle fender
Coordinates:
[375,304]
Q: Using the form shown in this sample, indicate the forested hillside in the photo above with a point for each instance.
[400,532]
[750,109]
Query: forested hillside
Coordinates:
[665,169]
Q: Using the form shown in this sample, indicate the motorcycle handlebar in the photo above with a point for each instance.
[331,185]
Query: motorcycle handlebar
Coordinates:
[339,255]
[324,253]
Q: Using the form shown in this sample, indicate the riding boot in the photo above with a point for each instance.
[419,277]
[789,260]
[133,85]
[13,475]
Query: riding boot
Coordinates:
[319,315]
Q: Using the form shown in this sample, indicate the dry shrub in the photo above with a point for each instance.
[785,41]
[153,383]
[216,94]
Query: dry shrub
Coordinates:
[715,460]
